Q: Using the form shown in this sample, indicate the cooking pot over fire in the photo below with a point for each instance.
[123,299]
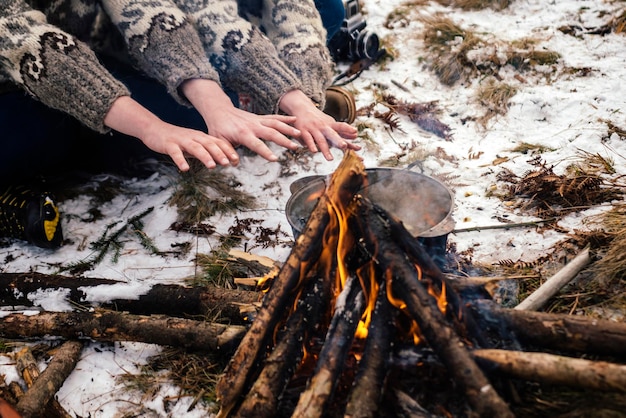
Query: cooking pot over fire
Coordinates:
[422,203]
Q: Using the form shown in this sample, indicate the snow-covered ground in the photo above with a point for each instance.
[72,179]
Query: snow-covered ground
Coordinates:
[565,111]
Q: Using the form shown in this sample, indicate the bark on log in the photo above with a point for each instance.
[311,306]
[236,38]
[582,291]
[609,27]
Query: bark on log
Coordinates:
[34,401]
[464,323]
[433,325]
[366,395]
[554,369]
[170,300]
[262,399]
[344,183]
[116,326]
[27,366]
[553,331]
[348,311]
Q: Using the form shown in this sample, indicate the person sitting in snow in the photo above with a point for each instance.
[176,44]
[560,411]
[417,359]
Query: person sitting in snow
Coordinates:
[82,80]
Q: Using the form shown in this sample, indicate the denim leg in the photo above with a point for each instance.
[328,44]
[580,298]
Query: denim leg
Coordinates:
[333,13]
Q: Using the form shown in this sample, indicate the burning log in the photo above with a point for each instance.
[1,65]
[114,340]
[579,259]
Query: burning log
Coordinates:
[369,265]
[262,400]
[34,401]
[344,183]
[554,369]
[367,392]
[348,310]
[423,309]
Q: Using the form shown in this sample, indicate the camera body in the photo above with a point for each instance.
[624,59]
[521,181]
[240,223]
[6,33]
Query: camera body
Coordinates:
[353,42]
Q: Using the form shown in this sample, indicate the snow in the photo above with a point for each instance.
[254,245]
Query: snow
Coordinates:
[566,112]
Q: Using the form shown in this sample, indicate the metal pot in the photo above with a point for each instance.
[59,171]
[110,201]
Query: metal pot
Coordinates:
[423,203]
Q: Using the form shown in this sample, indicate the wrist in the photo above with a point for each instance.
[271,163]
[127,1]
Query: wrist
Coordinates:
[294,102]
[204,94]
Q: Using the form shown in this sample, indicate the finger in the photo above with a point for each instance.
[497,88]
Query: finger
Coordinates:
[345,131]
[307,139]
[322,144]
[179,159]
[279,139]
[282,118]
[282,127]
[257,146]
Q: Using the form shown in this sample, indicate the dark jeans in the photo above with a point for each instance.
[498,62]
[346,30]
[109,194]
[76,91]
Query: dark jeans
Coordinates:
[332,13]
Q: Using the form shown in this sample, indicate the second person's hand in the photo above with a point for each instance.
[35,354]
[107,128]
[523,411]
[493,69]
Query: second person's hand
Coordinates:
[237,126]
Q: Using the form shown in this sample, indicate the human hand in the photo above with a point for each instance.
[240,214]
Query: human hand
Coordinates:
[318,129]
[237,126]
[129,117]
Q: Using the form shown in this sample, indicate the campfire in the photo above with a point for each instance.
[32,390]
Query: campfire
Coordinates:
[356,284]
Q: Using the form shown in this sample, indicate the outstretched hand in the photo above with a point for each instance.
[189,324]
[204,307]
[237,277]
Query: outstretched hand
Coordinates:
[131,118]
[318,131]
[237,126]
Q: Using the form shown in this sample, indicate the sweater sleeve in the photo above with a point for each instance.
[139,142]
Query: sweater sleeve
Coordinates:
[161,41]
[54,67]
[295,28]
[245,58]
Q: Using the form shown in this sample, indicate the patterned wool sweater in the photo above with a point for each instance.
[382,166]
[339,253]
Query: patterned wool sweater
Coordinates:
[263,48]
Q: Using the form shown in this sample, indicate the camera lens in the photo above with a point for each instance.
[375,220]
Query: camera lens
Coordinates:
[367,45]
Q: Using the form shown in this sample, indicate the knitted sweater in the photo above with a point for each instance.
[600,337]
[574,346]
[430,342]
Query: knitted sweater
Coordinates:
[264,48]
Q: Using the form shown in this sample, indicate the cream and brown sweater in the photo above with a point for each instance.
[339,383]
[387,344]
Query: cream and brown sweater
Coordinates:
[263,48]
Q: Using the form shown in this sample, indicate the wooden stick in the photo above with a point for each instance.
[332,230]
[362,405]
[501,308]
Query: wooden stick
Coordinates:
[348,311]
[27,366]
[173,300]
[553,331]
[262,399]
[433,325]
[368,389]
[117,326]
[344,183]
[555,370]
[552,286]
[34,401]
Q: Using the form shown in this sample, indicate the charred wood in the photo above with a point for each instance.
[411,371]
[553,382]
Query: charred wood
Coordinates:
[369,385]
[552,331]
[344,183]
[339,338]
[117,326]
[277,370]
[423,309]
[34,401]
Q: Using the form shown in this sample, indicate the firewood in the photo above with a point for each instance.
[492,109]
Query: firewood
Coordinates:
[118,326]
[27,366]
[171,300]
[551,287]
[348,311]
[414,250]
[432,323]
[553,331]
[34,401]
[344,183]
[554,369]
[365,396]
[262,399]
[407,407]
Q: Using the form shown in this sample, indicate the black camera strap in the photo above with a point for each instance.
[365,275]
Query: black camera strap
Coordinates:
[356,68]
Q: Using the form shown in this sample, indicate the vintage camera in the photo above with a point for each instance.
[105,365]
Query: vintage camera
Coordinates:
[353,42]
